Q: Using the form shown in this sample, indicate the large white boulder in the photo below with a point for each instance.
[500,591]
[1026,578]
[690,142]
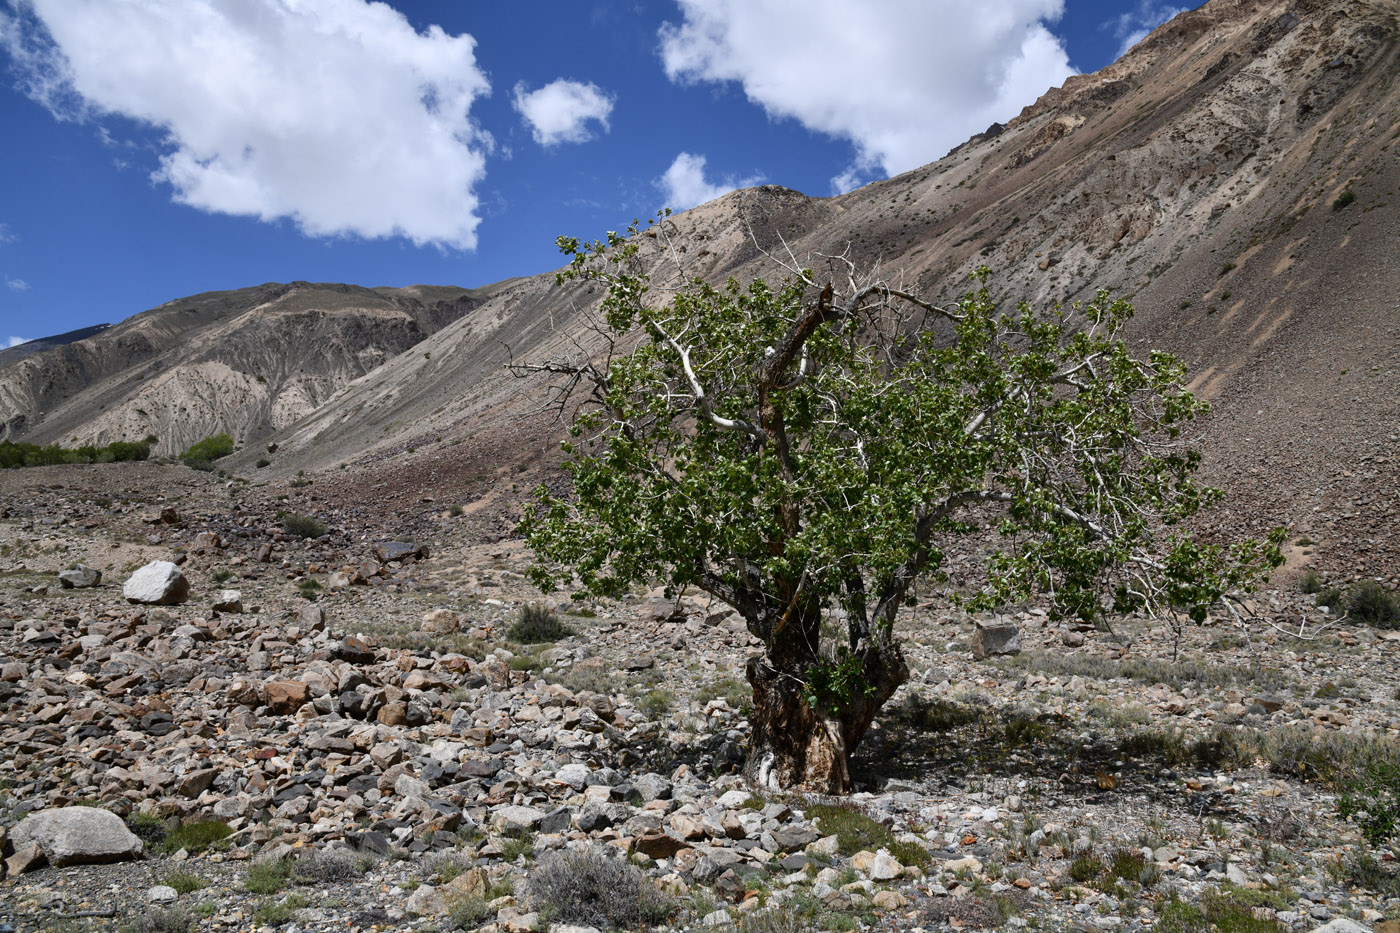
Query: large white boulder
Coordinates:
[159,583]
[76,836]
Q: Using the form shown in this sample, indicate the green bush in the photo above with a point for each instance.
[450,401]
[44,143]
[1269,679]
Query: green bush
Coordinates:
[1344,200]
[30,455]
[302,526]
[209,449]
[268,877]
[1373,604]
[537,625]
[1310,582]
[854,830]
[196,837]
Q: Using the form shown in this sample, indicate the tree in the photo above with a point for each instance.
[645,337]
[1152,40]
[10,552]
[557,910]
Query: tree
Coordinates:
[807,450]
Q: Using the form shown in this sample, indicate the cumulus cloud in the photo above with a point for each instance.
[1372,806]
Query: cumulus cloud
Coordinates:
[16,341]
[903,80]
[6,236]
[16,285]
[684,185]
[334,113]
[560,112]
[1132,27]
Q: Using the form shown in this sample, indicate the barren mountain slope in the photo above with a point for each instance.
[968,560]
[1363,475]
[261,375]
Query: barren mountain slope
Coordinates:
[1208,176]
[245,362]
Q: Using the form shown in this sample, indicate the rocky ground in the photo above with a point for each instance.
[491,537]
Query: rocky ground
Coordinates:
[358,740]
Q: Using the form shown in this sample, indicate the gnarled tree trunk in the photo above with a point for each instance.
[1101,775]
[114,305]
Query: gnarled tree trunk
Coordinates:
[796,746]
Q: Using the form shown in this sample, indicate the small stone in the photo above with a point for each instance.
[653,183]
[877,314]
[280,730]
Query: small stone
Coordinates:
[889,900]
[161,894]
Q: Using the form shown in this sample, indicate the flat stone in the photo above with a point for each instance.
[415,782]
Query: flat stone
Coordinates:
[79,577]
[159,583]
[77,836]
[504,818]
[1341,925]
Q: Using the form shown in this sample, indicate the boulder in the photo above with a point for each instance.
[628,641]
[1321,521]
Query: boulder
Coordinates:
[159,583]
[992,638]
[441,622]
[228,601]
[286,696]
[386,551]
[79,577]
[76,836]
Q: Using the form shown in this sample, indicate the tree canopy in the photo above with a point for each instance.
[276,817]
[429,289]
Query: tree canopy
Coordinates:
[808,448]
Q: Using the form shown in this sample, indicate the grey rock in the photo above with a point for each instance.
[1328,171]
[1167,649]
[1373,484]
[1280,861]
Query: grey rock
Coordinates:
[651,787]
[79,577]
[1341,925]
[159,583]
[161,894]
[228,601]
[77,836]
[995,638]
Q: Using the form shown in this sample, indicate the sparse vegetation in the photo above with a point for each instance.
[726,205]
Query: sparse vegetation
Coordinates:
[1344,200]
[1373,604]
[302,526]
[589,888]
[538,624]
[268,877]
[196,837]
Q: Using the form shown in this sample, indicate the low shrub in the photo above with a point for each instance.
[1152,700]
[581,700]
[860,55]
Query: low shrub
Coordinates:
[326,866]
[302,526]
[195,837]
[1372,801]
[537,625]
[209,449]
[854,831]
[1373,604]
[1344,200]
[588,888]
[183,881]
[268,877]
[165,920]
[468,913]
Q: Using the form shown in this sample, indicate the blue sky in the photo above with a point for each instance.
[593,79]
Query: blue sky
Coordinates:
[159,148]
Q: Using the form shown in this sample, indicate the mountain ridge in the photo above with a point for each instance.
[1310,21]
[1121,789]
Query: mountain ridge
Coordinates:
[1201,176]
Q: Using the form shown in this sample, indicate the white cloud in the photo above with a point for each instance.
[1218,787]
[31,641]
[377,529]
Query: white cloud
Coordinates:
[6,236]
[904,80]
[16,285]
[1132,27]
[16,341]
[684,185]
[334,113]
[560,111]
